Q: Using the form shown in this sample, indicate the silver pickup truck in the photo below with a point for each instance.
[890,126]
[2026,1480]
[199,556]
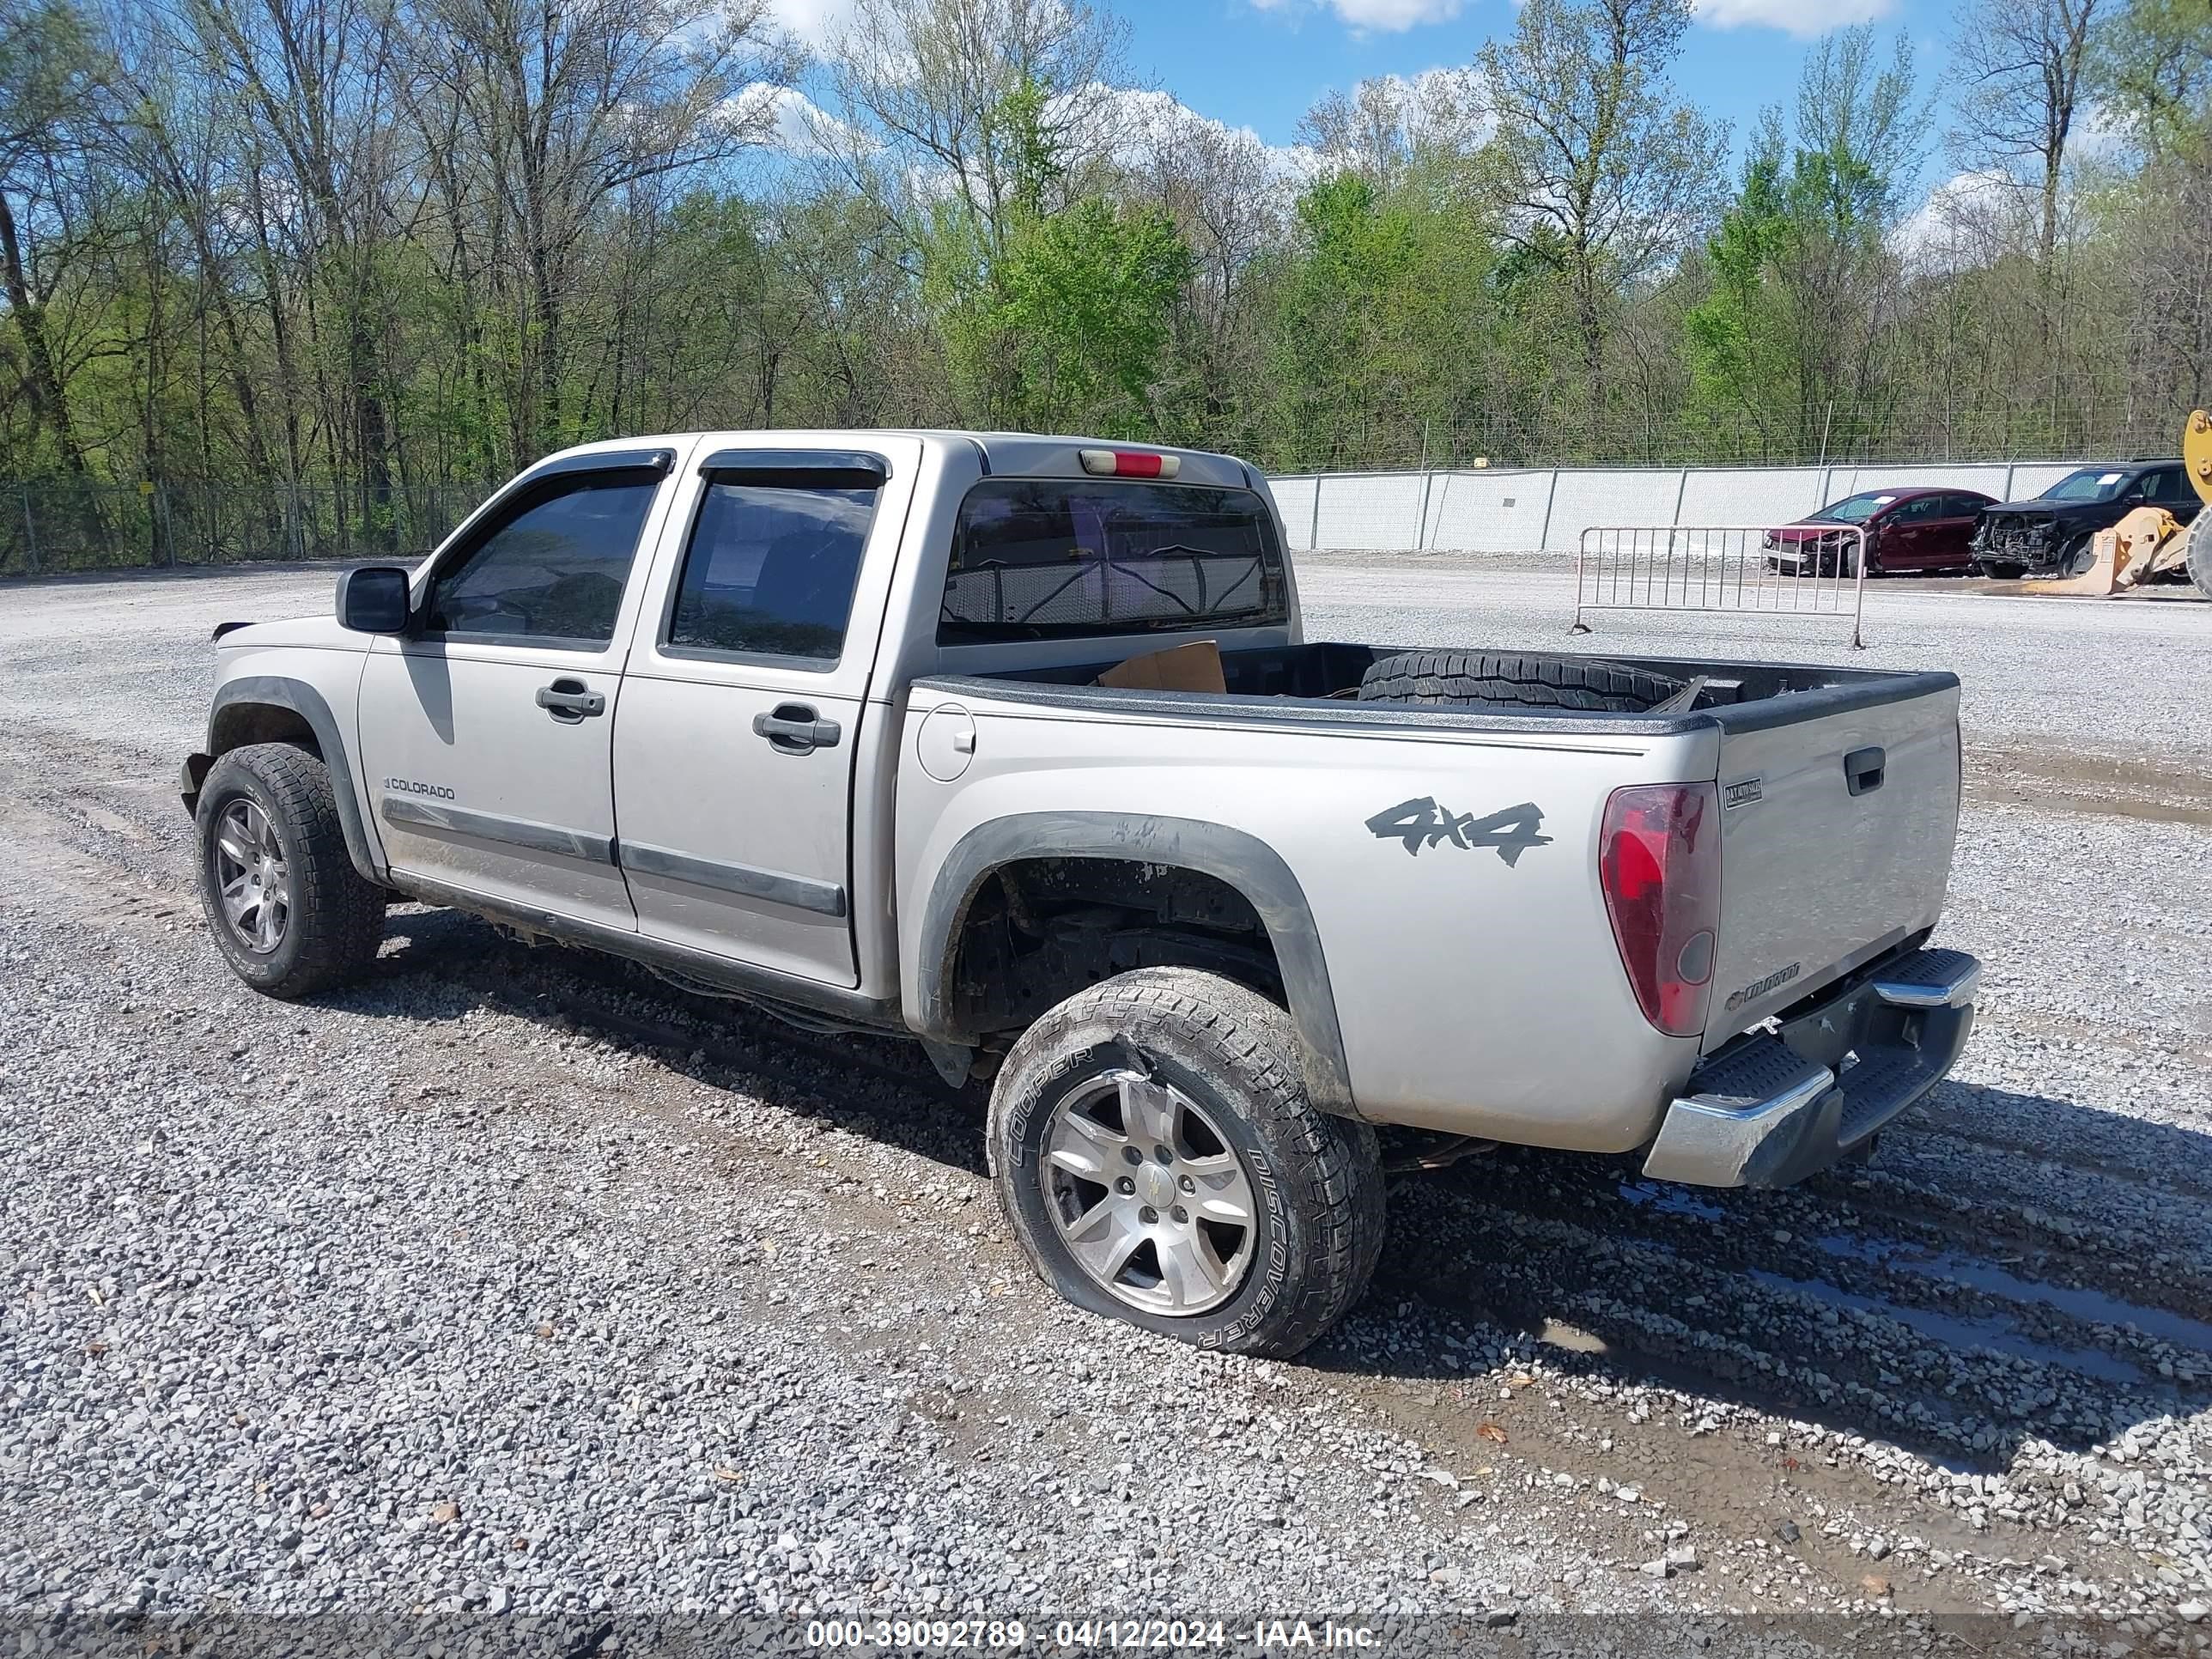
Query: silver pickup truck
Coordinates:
[813,720]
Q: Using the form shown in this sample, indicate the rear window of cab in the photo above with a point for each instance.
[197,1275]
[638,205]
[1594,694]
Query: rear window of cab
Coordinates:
[1057,558]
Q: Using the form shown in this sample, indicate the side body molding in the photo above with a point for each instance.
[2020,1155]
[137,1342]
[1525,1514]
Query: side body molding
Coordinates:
[303,699]
[1243,861]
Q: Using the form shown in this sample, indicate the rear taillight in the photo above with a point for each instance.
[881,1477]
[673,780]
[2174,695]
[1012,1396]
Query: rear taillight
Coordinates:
[1130,463]
[1659,862]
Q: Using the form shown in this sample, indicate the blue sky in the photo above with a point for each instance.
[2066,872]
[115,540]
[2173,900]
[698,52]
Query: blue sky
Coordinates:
[1262,63]
[1262,67]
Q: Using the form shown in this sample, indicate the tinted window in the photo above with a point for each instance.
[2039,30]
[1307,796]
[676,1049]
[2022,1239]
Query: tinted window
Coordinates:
[1963,507]
[772,565]
[2165,485]
[1853,509]
[2089,484]
[1040,558]
[554,569]
[1919,507]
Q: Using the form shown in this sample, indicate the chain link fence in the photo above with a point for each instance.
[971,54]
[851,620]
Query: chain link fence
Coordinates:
[49,528]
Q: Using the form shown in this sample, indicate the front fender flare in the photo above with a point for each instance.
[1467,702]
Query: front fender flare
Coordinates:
[1243,861]
[281,692]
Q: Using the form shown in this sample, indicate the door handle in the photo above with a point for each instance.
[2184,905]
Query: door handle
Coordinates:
[1863,770]
[791,728]
[570,701]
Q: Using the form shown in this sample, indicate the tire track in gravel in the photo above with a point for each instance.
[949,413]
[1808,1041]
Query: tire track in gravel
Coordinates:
[1656,1231]
[1943,1350]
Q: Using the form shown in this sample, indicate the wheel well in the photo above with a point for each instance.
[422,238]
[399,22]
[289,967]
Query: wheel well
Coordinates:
[237,723]
[1039,930]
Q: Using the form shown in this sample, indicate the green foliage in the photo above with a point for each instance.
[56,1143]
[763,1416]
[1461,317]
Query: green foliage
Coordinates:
[1798,274]
[1382,307]
[985,245]
[1087,293]
[2155,67]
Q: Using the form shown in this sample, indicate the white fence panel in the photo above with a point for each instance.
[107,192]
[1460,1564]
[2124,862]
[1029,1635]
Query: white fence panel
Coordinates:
[1626,496]
[1294,500]
[1370,510]
[2031,478]
[1989,479]
[1478,510]
[1486,512]
[1750,494]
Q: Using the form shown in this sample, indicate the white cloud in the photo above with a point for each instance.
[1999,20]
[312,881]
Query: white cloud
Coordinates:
[1967,221]
[801,126]
[1379,16]
[1805,19]
[1143,123]
[813,22]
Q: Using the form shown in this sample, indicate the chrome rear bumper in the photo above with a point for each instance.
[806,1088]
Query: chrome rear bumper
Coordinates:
[1772,1109]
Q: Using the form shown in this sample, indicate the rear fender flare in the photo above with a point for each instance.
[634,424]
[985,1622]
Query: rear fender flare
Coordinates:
[1243,861]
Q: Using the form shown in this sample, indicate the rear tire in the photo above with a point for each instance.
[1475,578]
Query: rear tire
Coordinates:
[289,911]
[1476,678]
[1180,1092]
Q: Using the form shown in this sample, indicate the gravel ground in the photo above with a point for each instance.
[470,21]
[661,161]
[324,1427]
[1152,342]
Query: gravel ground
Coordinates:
[510,1283]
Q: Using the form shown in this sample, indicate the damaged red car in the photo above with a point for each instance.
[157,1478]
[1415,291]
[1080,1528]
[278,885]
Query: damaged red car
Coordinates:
[1906,530]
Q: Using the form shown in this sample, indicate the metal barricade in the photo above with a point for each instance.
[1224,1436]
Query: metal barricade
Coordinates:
[1801,568]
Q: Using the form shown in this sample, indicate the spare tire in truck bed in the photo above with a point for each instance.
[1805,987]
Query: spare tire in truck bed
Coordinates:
[1470,678]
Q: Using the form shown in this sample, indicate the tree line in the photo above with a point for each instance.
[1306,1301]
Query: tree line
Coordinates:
[381,247]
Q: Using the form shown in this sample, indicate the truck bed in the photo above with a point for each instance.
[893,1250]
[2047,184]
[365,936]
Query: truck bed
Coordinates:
[1262,680]
[1824,869]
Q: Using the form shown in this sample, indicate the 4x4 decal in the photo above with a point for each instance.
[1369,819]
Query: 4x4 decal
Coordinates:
[1421,822]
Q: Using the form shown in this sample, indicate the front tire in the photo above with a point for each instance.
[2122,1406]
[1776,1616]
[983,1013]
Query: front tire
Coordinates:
[2199,560]
[289,911]
[1158,1160]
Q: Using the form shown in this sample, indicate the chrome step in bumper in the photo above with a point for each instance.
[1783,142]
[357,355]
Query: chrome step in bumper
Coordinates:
[1774,1107]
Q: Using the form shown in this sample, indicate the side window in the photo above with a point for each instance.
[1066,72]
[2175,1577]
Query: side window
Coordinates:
[1918,510]
[1963,507]
[2172,487]
[552,569]
[772,564]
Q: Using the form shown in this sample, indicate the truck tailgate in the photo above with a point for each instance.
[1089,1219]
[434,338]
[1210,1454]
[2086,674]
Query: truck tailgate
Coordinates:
[1836,826]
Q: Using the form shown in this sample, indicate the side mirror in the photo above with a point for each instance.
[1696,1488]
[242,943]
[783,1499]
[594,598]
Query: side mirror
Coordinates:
[373,599]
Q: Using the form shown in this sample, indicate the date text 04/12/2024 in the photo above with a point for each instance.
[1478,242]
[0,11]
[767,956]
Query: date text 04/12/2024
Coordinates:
[1285,1635]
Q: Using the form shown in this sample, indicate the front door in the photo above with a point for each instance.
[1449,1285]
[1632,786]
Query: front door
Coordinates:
[744,699]
[487,731]
[1904,544]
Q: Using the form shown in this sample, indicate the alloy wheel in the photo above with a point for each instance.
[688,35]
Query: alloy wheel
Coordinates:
[251,877]
[1149,1197]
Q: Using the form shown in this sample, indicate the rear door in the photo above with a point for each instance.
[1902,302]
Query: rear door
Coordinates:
[1952,538]
[486,733]
[2170,488]
[1836,841]
[742,705]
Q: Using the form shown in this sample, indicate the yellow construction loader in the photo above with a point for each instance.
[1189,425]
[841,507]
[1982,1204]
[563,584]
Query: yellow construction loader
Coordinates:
[2150,541]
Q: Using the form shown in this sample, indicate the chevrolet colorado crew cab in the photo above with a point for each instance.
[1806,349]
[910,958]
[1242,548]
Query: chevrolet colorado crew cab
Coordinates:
[813,721]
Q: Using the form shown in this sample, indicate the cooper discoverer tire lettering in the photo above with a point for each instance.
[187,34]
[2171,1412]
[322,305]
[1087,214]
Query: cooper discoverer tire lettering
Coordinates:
[286,906]
[1195,1103]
